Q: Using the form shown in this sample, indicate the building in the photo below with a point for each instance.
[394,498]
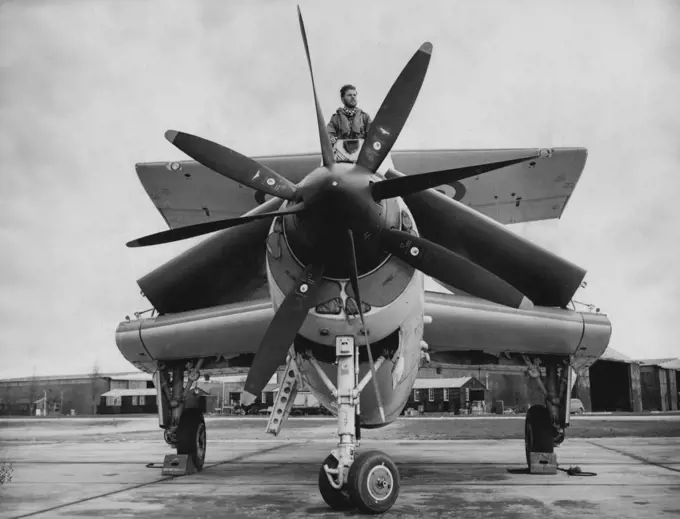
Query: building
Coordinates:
[64,395]
[228,391]
[660,380]
[143,401]
[612,383]
[128,401]
[617,383]
[447,395]
[505,386]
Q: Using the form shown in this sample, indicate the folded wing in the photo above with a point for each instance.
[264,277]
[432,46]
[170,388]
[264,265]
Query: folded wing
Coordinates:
[187,193]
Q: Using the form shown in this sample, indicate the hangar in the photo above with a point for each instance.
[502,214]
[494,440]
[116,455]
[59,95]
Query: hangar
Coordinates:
[660,380]
[614,383]
[618,383]
[66,394]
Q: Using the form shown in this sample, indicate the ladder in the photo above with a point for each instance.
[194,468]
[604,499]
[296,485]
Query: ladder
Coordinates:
[285,397]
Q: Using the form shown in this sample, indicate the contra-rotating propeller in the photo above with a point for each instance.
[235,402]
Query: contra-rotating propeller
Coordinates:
[329,201]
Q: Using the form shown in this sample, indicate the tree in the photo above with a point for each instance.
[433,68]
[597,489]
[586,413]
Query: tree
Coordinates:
[95,374]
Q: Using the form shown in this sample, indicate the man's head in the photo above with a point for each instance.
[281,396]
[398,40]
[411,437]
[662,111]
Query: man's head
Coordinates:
[348,94]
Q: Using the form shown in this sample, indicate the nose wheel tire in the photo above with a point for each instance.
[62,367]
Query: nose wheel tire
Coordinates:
[538,432]
[191,436]
[336,499]
[373,482]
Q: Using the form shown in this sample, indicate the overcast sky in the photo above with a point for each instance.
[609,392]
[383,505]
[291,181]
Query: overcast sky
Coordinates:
[87,89]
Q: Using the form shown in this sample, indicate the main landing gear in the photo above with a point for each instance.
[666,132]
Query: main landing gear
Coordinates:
[369,481]
[180,412]
[544,427]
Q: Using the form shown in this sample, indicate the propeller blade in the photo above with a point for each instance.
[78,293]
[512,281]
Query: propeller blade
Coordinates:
[394,110]
[191,231]
[411,184]
[282,330]
[544,278]
[354,280]
[326,147]
[451,268]
[233,165]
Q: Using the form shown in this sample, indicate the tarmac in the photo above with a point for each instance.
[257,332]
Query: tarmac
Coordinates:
[120,477]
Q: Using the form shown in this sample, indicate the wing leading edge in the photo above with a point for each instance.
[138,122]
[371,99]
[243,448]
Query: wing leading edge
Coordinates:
[459,324]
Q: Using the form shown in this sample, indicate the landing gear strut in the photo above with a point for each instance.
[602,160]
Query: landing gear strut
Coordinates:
[179,411]
[370,481]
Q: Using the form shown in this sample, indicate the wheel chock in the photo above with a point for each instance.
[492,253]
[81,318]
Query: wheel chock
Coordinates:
[543,463]
[178,465]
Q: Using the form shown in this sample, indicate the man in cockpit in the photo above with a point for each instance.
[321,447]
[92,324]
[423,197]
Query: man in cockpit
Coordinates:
[349,121]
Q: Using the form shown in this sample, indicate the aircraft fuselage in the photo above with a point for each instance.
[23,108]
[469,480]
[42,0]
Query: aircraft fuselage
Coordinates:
[392,295]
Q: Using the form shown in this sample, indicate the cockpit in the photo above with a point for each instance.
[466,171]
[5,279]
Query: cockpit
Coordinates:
[347,150]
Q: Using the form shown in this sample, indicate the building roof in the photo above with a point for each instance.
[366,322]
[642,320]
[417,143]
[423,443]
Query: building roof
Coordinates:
[239,378]
[135,375]
[131,392]
[52,378]
[130,376]
[616,356]
[436,383]
[670,363]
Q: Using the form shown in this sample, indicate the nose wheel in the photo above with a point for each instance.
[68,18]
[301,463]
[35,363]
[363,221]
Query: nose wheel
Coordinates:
[373,482]
[337,499]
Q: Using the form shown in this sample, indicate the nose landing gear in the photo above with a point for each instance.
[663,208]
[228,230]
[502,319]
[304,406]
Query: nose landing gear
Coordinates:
[369,482]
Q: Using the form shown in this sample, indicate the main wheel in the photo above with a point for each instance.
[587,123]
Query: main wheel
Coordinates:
[538,432]
[336,499]
[373,482]
[191,436]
